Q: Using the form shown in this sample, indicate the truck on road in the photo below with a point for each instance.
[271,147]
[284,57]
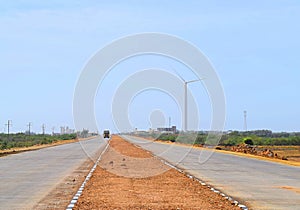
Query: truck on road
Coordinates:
[106,134]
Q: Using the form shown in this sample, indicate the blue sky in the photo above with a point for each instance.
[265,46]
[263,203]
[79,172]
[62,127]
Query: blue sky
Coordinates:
[254,47]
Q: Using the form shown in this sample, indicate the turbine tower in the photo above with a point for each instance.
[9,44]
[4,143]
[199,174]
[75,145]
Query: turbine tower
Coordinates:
[185,122]
[245,120]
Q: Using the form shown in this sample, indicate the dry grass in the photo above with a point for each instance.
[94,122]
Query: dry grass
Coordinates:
[291,152]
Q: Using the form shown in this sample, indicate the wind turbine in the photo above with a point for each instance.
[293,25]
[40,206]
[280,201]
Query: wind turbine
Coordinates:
[185,97]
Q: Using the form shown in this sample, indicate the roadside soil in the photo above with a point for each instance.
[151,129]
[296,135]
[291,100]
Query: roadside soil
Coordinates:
[124,180]
[292,153]
[289,155]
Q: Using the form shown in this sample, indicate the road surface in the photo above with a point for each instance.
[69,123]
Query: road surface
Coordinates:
[260,184]
[27,177]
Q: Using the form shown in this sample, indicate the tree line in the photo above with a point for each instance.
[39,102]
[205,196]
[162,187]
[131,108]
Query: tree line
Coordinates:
[260,137]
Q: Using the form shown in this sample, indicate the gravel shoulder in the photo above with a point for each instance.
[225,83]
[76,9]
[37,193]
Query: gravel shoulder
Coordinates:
[124,180]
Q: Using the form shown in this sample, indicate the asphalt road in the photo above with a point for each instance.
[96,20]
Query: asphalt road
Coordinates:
[26,178]
[258,184]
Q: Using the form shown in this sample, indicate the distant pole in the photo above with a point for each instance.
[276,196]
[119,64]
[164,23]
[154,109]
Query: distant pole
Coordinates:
[8,127]
[29,126]
[245,120]
[43,128]
[170,122]
[53,129]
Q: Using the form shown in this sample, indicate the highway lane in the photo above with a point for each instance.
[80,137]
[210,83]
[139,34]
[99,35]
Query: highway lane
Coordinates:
[26,178]
[260,184]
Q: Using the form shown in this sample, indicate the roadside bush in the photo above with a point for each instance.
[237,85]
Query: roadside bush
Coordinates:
[172,138]
[248,141]
[200,139]
[3,145]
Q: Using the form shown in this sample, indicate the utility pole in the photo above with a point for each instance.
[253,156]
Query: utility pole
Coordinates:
[29,126]
[53,129]
[8,127]
[43,128]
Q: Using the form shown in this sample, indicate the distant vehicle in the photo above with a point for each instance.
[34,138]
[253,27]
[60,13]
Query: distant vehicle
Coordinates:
[106,134]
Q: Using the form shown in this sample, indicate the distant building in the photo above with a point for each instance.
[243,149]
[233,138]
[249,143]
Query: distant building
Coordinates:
[167,130]
[66,130]
[62,130]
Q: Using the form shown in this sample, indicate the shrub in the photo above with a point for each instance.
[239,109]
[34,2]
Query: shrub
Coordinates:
[4,145]
[248,141]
